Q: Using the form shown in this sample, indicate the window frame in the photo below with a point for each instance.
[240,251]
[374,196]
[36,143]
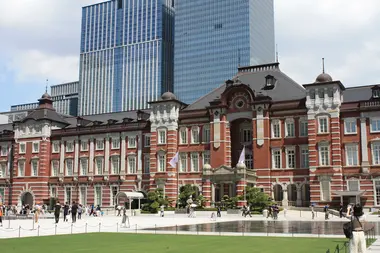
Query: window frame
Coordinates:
[183,135]
[23,169]
[115,143]
[194,167]
[101,160]
[67,150]
[81,166]
[115,171]
[53,174]
[377,119]
[146,164]
[350,121]
[33,147]
[373,145]
[130,171]
[82,147]
[274,160]
[301,122]
[67,167]
[4,150]
[54,149]
[288,150]
[195,135]
[22,144]
[32,163]
[206,134]
[183,156]
[376,196]
[346,150]
[132,142]
[161,133]
[320,146]
[303,148]
[274,123]
[287,123]
[320,125]
[352,180]
[322,196]
[3,169]
[205,154]
[147,140]
[161,167]
[98,141]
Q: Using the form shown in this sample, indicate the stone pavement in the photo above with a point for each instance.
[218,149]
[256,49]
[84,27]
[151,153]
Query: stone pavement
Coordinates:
[375,247]
[111,223]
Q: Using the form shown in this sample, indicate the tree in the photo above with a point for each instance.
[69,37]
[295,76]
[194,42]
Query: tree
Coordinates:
[156,199]
[256,198]
[186,192]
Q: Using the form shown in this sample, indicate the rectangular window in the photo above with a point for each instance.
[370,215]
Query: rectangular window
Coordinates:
[68,195]
[56,147]
[194,162]
[98,195]
[376,153]
[377,192]
[304,157]
[353,185]
[375,125]
[99,165]
[161,163]
[36,147]
[4,150]
[114,191]
[323,125]
[69,167]
[147,164]
[131,142]
[115,144]
[53,192]
[69,146]
[21,168]
[84,145]
[206,157]
[3,170]
[352,155]
[289,130]
[183,162]
[34,171]
[22,147]
[195,135]
[2,194]
[276,158]
[290,158]
[249,161]
[206,134]
[303,128]
[147,140]
[83,166]
[83,196]
[246,136]
[325,190]
[350,126]
[276,129]
[115,165]
[161,136]
[100,144]
[54,168]
[324,155]
[132,165]
[183,136]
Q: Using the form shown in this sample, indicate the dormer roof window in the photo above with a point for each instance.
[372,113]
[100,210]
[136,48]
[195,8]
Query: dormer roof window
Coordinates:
[270,81]
[376,91]
[111,121]
[97,123]
[126,120]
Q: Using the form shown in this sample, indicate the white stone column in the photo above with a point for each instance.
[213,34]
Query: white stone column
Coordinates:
[91,157]
[76,157]
[299,196]
[122,154]
[212,194]
[107,155]
[221,191]
[364,143]
[62,158]
[285,196]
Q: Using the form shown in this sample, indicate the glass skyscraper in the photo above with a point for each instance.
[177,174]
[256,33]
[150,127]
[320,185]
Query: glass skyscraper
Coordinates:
[126,55]
[214,37]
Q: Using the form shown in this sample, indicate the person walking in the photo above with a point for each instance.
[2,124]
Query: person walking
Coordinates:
[57,211]
[341,210]
[66,208]
[1,216]
[74,210]
[218,212]
[358,240]
[327,212]
[80,210]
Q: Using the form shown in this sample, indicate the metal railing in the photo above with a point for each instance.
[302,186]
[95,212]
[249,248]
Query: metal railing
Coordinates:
[344,248]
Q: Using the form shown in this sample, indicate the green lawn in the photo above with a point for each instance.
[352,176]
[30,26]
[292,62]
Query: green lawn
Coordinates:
[144,243]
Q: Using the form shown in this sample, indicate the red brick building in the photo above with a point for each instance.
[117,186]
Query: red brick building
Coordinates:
[317,142]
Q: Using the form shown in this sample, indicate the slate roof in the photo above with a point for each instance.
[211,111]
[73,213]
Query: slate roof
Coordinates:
[285,88]
[359,93]
[45,114]
[8,127]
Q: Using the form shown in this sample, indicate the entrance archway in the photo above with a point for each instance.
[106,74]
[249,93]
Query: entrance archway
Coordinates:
[27,199]
[278,194]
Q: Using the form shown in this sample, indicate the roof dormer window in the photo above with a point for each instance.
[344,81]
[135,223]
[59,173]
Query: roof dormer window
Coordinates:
[270,81]
[376,92]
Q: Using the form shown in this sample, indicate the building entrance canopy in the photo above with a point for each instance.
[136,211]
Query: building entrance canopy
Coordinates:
[130,196]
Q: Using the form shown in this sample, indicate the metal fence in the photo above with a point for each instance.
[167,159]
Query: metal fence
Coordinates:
[344,248]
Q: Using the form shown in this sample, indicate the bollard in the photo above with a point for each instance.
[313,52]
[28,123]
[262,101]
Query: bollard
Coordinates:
[318,232]
[85,228]
[117,227]
[155,229]
[71,228]
[197,229]
[136,228]
[267,231]
[33,222]
[292,231]
[19,231]
[99,227]
[38,230]
[176,229]
[9,223]
[55,229]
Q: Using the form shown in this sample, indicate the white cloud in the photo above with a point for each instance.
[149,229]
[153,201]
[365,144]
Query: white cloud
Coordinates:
[37,65]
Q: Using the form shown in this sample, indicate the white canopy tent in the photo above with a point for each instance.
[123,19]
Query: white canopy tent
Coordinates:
[130,196]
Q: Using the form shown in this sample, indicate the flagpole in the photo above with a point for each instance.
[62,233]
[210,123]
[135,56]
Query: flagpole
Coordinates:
[245,178]
[176,166]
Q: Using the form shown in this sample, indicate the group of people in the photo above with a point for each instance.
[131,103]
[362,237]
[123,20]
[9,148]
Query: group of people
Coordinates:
[273,211]
[75,210]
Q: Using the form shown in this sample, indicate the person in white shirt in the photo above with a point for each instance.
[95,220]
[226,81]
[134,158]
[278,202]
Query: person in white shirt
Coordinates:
[358,241]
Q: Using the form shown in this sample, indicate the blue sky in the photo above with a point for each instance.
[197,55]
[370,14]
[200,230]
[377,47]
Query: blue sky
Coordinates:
[40,40]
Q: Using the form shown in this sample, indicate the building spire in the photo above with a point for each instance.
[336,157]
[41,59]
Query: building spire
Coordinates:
[47,84]
[276,53]
[323,65]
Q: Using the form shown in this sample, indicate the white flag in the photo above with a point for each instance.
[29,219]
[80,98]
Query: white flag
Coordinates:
[242,156]
[173,162]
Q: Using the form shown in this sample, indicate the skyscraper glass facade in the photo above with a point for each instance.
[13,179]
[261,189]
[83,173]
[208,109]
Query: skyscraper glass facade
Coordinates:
[126,59]
[214,37]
